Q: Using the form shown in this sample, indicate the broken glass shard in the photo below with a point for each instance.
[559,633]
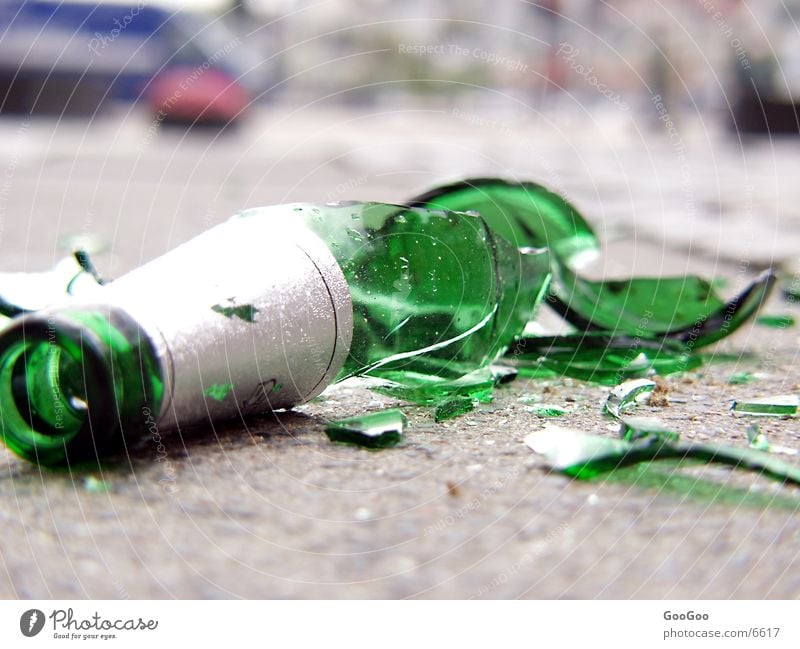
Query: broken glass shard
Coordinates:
[778,406]
[454,407]
[637,428]
[686,308]
[756,439]
[373,430]
[585,456]
[686,479]
[96,485]
[546,410]
[626,395]
[434,293]
[774,321]
[429,390]
[606,366]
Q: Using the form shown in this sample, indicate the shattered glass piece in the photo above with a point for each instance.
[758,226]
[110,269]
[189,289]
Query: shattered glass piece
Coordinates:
[95,485]
[669,478]
[526,214]
[381,429]
[776,321]
[454,407]
[546,410]
[428,390]
[218,391]
[608,366]
[586,456]
[436,293]
[758,440]
[778,406]
[503,374]
[690,319]
[564,448]
[647,306]
[727,320]
[626,395]
[637,428]
[741,378]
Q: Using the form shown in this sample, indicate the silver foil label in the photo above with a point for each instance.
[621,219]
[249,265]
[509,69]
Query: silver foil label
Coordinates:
[252,315]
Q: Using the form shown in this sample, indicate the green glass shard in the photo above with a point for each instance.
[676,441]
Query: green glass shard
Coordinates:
[454,407]
[246,312]
[546,410]
[429,390]
[626,395]
[434,292]
[740,378]
[586,456]
[638,428]
[668,477]
[607,366]
[525,213]
[778,406]
[93,484]
[694,321]
[774,321]
[218,391]
[756,439]
[685,308]
[647,306]
[503,373]
[381,429]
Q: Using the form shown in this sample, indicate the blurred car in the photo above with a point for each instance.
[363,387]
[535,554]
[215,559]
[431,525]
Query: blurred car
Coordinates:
[76,56]
[768,89]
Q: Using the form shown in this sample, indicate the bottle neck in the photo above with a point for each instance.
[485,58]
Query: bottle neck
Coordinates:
[75,382]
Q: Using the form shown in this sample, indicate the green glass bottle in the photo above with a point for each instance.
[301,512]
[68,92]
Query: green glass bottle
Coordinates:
[263,312]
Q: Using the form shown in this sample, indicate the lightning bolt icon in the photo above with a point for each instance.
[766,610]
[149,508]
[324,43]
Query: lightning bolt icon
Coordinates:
[32,621]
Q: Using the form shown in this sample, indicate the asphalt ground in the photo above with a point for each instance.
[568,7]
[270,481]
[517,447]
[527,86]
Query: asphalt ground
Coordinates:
[273,509]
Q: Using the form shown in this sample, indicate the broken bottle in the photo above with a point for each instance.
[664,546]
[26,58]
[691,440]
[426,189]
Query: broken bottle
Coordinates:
[259,313]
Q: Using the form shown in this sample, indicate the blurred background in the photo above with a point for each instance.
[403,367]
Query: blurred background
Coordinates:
[141,123]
